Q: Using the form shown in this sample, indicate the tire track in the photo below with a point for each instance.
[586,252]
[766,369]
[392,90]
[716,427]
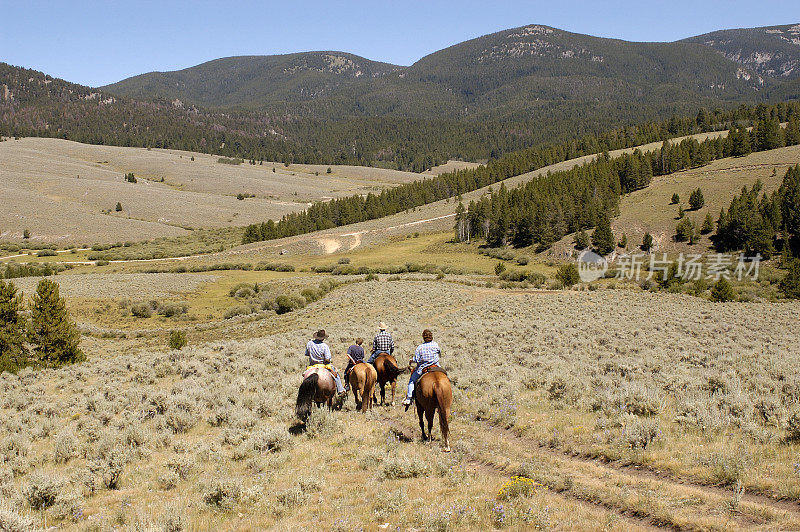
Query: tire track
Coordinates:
[645,473]
[400,430]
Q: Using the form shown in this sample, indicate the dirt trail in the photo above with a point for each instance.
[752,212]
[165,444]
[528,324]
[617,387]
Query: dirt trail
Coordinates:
[404,432]
[644,472]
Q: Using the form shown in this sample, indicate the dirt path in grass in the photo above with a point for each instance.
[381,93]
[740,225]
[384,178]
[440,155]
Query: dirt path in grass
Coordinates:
[643,472]
[404,432]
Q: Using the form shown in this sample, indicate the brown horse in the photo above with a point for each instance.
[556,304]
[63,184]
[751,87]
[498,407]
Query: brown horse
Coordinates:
[362,381]
[386,366]
[432,392]
[317,387]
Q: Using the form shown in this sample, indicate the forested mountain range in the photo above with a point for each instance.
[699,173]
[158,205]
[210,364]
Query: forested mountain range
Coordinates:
[771,50]
[476,100]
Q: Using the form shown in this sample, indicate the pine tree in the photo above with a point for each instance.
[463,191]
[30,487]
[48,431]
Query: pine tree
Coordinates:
[722,291]
[118,208]
[792,133]
[582,240]
[696,200]
[708,224]
[623,242]
[13,325]
[790,284]
[675,199]
[53,334]
[603,239]
[647,242]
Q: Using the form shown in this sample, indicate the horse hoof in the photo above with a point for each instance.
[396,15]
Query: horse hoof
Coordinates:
[392,403]
[446,450]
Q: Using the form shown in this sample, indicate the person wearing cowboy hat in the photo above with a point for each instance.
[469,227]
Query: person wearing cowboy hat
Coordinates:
[382,343]
[318,352]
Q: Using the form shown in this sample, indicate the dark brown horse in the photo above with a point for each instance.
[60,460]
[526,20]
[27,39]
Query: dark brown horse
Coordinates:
[362,381]
[317,387]
[432,392]
[386,366]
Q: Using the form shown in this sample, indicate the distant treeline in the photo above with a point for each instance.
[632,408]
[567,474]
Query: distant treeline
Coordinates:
[544,210]
[631,172]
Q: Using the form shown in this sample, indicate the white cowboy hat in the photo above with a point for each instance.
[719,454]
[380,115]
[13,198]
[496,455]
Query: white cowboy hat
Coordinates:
[382,326]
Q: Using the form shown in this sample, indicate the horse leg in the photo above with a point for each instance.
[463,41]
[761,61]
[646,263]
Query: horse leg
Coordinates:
[394,385]
[429,418]
[420,413]
[383,393]
[444,424]
[355,396]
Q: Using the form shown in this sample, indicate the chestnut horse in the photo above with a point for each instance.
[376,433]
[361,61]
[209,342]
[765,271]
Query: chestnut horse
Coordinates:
[432,392]
[386,366]
[362,381]
[317,387]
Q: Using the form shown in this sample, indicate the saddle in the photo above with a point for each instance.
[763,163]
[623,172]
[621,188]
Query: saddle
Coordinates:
[433,369]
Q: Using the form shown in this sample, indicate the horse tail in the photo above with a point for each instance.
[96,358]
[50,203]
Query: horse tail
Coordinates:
[305,396]
[370,379]
[444,413]
[391,369]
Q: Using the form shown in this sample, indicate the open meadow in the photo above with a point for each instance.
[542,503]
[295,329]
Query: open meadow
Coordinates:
[624,417]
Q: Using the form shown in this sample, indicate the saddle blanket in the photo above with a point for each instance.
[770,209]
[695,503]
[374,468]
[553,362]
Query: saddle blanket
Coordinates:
[310,369]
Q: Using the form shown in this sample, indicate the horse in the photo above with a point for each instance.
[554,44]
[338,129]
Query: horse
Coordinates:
[433,391]
[386,366]
[362,380]
[317,387]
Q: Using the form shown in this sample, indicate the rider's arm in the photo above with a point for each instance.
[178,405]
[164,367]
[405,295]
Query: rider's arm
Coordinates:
[327,355]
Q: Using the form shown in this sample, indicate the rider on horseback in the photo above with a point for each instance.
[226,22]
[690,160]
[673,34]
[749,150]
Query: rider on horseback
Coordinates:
[355,354]
[382,343]
[319,353]
[427,354]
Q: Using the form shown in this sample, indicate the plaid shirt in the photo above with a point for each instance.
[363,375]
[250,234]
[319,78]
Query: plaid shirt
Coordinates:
[383,343]
[427,354]
[318,352]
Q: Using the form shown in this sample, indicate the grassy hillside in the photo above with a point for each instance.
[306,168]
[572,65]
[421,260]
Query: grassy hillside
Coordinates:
[65,192]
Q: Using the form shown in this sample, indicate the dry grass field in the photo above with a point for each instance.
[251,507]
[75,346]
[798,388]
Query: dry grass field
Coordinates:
[66,192]
[623,417]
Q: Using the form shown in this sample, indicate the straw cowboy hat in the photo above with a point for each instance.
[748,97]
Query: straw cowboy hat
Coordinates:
[320,335]
[382,326]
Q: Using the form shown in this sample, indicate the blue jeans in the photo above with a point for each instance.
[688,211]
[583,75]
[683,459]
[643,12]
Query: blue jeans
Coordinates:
[338,380]
[373,356]
[415,375]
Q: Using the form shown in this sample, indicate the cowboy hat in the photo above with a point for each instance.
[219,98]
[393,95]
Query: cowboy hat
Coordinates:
[320,335]
[382,326]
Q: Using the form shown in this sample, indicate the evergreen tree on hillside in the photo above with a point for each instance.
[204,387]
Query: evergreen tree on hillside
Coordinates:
[790,205]
[647,242]
[768,134]
[739,140]
[13,326]
[603,239]
[792,132]
[696,200]
[53,334]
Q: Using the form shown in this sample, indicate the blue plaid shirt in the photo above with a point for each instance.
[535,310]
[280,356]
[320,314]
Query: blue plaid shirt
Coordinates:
[383,343]
[427,354]
[318,352]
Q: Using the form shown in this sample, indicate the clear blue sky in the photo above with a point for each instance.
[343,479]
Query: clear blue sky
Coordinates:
[95,43]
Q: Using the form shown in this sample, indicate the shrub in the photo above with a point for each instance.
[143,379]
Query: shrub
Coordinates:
[141,310]
[639,432]
[271,439]
[321,422]
[12,521]
[223,494]
[722,291]
[170,310]
[568,275]
[236,311]
[793,426]
[284,304]
[499,268]
[647,242]
[177,339]
[675,199]
[66,448]
[42,490]
[402,467]
[46,253]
